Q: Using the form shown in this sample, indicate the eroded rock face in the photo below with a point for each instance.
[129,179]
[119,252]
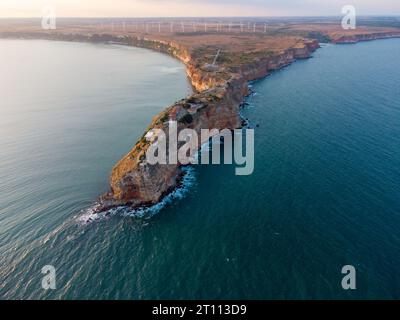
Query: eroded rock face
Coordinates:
[216,106]
[220,92]
[366,37]
[141,184]
[135,182]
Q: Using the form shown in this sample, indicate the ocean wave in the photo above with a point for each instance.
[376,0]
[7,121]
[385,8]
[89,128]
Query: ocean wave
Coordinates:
[91,214]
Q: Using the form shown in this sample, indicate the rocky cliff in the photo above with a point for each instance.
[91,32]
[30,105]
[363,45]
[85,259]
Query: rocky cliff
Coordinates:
[215,105]
[354,38]
[220,90]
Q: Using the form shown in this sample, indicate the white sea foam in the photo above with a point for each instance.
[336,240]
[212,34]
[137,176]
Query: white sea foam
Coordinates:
[188,180]
[91,214]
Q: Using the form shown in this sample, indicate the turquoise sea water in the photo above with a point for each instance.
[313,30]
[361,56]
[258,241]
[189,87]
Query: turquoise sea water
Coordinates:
[325,192]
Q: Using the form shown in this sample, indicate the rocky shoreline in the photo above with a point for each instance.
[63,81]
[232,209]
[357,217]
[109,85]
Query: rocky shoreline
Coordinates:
[216,105]
[220,91]
[365,37]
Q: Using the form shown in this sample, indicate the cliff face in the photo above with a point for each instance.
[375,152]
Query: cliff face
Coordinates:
[136,183]
[365,37]
[220,92]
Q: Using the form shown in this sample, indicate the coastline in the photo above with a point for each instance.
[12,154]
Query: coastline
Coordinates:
[215,104]
[205,113]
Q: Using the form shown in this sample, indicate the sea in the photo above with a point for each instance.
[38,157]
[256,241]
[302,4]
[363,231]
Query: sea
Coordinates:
[325,192]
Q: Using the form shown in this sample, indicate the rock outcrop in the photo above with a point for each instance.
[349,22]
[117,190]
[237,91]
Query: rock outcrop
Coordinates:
[215,106]
[355,38]
[220,90]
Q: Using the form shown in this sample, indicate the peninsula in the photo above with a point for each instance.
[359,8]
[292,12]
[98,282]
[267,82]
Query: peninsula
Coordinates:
[221,57]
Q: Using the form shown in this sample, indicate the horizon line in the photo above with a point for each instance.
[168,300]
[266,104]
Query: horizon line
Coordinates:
[205,17]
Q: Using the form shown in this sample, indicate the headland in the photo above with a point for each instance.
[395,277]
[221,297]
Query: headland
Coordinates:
[220,61]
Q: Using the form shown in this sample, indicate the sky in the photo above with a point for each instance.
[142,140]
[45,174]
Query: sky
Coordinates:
[195,8]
